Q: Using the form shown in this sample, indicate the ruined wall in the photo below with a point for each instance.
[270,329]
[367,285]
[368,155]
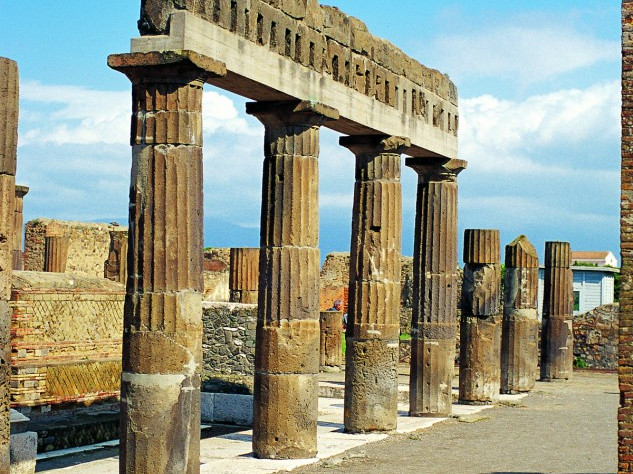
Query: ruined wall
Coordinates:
[228,340]
[88,246]
[66,338]
[327,41]
[596,337]
[216,274]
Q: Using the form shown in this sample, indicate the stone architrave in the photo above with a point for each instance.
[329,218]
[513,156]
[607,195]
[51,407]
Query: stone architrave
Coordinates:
[557,335]
[331,352]
[287,346]
[9,93]
[434,323]
[519,336]
[244,275]
[18,224]
[56,253]
[480,327]
[162,336]
[373,326]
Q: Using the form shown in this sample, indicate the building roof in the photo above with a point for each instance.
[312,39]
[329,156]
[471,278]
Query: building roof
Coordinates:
[590,255]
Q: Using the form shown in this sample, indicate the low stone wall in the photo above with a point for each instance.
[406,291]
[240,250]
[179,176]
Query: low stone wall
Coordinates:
[66,334]
[596,337]
[228,341]
[88,245]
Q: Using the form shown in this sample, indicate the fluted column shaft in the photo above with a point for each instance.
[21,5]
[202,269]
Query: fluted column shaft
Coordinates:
[244,275]
[331,352]
[9,92]
[18,223]
[373,325]
[56,253]
[480,328]
[519,339]
[434,322]
[162,337]
[288,337]
[557,335]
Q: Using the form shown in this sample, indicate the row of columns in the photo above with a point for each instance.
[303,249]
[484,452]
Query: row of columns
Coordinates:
[162,335]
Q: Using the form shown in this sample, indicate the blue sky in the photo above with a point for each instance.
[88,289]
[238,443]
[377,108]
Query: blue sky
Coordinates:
[539,118]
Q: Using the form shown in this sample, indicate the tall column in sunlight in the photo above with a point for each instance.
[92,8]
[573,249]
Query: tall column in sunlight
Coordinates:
[9,94]
[162,336]
[557,336]
[373,327]
[285,406]
[434,322]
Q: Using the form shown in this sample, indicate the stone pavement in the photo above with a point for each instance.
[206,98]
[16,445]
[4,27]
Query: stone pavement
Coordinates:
[561,427]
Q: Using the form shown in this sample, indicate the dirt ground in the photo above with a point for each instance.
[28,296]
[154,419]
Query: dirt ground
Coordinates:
[561,427]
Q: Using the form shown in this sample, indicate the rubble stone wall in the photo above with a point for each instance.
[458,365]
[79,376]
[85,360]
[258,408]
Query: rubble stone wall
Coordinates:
[88,246]
[325,40]
[66,338]
[596,337]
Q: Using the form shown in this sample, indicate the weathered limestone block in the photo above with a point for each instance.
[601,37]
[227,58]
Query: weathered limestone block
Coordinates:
[373,328]
[480,328]
[557,336]
[56,254]
[162,337]
[331,339]
[434,322]
[8,154]
[244,275]
[18,224]
[288,334]
[519,342]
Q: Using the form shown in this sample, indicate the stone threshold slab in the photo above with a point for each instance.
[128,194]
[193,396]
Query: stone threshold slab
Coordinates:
[232,452]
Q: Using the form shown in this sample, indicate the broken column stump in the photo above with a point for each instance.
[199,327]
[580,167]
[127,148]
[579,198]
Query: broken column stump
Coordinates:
[434,322]
[162,334]
[9,92]
[18,225]
[331,340]
[373,329]
[480,328]
[285,404]
[55,253]
[519,339]
[244,275]
[557,335]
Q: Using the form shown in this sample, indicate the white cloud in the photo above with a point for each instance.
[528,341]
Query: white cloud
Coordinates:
[526,54]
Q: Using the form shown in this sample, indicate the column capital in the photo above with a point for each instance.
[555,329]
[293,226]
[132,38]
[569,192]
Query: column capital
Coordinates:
[297,112]
[167,66]
[436,169]
[375,144]
[21,191]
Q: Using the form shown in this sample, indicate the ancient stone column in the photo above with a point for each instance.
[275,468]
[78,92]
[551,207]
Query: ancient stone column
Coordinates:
[18,224]
[373,325]
[162,335]
[287,347]
[244,275]
[434,323]
[519,337]
[55,253]
[480,328]
[331,340]
[115,267]
[8,161]
[557,335]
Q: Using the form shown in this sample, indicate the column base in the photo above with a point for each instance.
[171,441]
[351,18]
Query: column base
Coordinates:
[431,381]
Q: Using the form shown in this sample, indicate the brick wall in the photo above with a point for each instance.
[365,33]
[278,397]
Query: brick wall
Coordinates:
[625,352]
[88,246]
[65,337]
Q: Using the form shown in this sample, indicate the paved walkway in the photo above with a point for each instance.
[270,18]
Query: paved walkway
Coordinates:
[562,427]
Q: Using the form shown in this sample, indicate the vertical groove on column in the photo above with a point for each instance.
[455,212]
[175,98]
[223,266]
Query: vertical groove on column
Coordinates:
[519,345]
[557,345]
[288,334]
[480,327]
[371,386]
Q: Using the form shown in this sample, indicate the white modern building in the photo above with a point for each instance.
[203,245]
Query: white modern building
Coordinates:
[600,258]
[593,287]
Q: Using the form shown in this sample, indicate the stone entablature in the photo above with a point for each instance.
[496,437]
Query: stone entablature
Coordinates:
[340,62]
[88,245]
[65,338]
